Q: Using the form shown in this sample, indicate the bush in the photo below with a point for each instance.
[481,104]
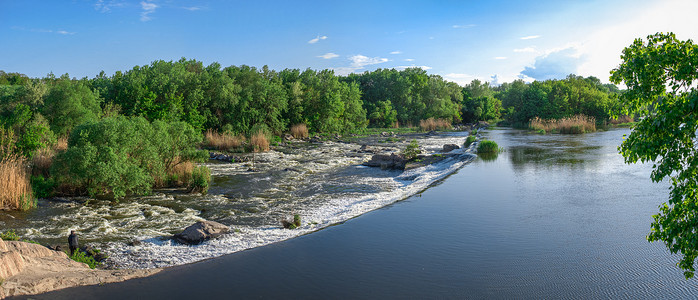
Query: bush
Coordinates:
[42,187]
[434,124]
[471,139]
[488,147]
[299,131]
[15,187]
[119,156]
[259,142]
[9,235]
[200,179]
[411,150]
[297,220]
[571,125]
[80,256]
[222,141]
[473,132]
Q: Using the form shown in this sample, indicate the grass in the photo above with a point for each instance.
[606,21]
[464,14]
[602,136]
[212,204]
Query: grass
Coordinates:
[200,179]
[259,142]
[471,139]
[571,125]
[299,131]
[15,186]
[488,147]
[9,235]
[435,124]
[222,141]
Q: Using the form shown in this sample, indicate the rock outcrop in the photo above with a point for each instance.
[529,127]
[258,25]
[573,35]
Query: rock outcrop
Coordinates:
[201,231]
[449,148]
[28,269]
[387,161]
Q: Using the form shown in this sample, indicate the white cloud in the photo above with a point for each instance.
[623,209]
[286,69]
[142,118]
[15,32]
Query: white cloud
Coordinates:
[530,37]
[460,78]
[65,32]
[148,8]
[359,62]
[328,55]
[500,57]
[41,30]
[193,8]
[413,66]
[556,64]
[396,52]
[464,26]
[527,49]
[106,6]
[317,39]
[409,59]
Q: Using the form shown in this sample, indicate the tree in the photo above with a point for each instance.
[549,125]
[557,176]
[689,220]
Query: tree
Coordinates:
[660,74]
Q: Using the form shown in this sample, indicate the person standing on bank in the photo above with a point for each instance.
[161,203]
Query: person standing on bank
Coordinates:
[73,242]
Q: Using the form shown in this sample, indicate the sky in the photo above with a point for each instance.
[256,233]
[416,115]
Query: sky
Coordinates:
[493,41]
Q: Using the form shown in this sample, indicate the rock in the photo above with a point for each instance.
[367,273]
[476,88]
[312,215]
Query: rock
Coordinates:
[135,243]
[201,231]
[368,149]
[450,147]
[385,161]
[29,269]
[288,137]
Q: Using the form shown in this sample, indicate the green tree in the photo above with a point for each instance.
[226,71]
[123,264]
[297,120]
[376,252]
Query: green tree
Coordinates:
[660,74]
[70,103]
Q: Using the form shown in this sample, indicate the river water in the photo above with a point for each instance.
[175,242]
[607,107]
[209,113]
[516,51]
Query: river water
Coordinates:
[553,216]
[322,182]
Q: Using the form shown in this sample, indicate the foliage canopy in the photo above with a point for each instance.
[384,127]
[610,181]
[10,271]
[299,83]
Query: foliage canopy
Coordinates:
[660,74]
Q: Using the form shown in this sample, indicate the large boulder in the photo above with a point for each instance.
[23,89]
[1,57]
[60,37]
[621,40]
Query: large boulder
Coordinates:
[385,161]
[450,147]
[201,231]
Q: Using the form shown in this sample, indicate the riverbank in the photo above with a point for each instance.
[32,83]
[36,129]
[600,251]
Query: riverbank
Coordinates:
[29,269]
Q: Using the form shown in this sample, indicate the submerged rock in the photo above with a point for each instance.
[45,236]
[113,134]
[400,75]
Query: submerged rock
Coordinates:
[201,231]
[385,161]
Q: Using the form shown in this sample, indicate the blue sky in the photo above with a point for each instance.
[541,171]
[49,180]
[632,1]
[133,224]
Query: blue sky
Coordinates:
[495,41]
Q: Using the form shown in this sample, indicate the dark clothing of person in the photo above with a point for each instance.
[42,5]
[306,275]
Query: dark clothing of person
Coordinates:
[73,243]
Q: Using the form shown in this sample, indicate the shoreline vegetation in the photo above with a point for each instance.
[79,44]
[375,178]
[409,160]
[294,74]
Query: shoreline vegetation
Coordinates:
[65,134]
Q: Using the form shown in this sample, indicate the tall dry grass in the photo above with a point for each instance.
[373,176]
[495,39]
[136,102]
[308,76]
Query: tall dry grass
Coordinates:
[222,141]
[435,124]
[15,188]
[299,131]
[180,174]
[573,125]
[259,142]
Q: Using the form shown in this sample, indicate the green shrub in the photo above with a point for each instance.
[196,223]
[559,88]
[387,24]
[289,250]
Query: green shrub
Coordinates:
[42,187]
[488,147]
[80,256]
[411,150]
[200,178]
[473,132]
[470,140]
[9,235]
[119,156]
[297,220]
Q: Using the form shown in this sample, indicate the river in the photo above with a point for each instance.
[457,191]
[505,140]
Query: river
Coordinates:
[553,216]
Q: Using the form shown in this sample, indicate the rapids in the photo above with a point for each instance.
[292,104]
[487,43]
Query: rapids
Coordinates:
[322,182]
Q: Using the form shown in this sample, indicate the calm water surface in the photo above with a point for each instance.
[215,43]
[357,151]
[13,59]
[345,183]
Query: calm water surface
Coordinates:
[553,216]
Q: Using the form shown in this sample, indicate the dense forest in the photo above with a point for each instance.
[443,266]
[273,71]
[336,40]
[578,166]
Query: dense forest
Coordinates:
[168,102]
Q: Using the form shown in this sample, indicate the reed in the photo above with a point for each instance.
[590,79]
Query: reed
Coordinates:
[222,141]
[434,124]
[299,131]
[180,174]
[571,125]
[622,120]
[15,188]
[259,142]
